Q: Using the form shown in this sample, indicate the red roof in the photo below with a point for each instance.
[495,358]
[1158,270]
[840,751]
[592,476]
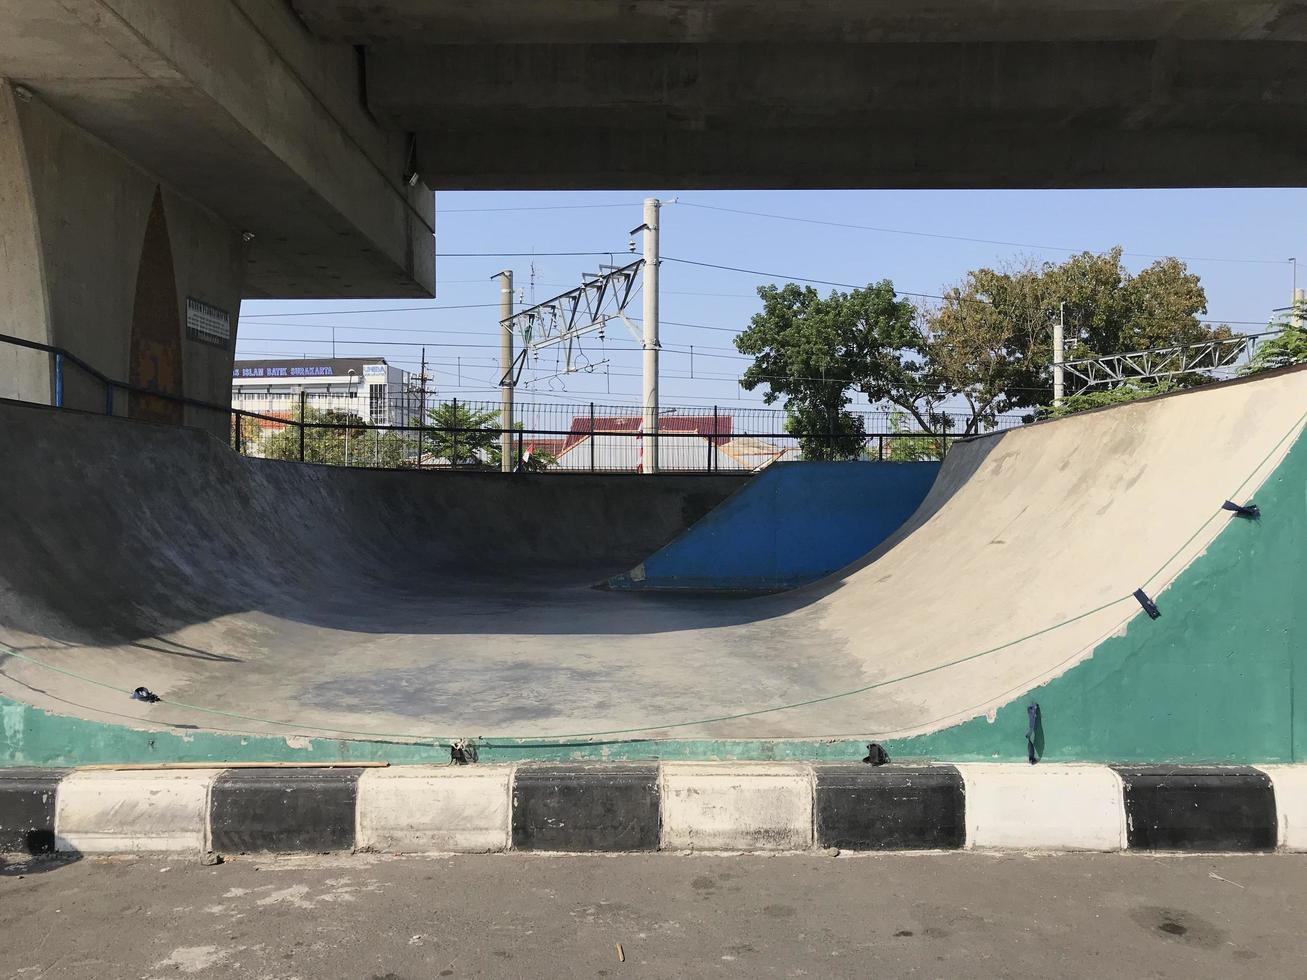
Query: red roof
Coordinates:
[704,425]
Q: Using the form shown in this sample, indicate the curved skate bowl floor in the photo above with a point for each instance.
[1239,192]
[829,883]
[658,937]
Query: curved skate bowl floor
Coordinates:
[292,612]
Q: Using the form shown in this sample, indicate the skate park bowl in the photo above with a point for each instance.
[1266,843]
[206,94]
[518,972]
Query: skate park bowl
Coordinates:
[285,612]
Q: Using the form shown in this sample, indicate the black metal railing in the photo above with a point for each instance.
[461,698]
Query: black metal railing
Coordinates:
[327,429]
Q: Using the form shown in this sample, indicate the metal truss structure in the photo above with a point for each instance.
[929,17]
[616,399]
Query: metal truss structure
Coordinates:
[1112,370]
[563,320]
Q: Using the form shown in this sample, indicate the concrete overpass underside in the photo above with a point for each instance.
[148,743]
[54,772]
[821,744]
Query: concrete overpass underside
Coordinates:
[155,154]
[838,93]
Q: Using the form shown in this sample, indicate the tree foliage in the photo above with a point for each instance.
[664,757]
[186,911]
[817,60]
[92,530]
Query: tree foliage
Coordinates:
[991,339]
[477,441]
[1103,397]
[988,345]
[813,351]
[461,435]
[824,436]
[330,436]
[1285,350]
[906,448]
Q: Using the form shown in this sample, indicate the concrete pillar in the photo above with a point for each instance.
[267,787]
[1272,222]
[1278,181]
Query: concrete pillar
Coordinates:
[99,257]
[24,311]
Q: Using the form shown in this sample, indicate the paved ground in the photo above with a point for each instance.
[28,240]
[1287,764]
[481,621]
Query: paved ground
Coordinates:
[931,915]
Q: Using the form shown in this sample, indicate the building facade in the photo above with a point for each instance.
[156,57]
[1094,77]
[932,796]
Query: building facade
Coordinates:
[366,387]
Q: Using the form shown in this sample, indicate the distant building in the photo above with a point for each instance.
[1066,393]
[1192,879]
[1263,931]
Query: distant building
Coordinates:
[367,387]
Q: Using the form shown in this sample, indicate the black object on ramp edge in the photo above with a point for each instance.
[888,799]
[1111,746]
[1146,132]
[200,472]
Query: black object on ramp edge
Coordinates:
[27,808]
[1198,808]
[284,810]
[587,808]
[890,808]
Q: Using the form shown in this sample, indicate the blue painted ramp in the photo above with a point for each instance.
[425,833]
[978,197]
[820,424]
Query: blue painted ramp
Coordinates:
[789,526]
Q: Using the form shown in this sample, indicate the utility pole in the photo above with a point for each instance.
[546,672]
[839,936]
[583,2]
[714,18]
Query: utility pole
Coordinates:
[650,426]
[422,411]
[506,366]
[1059,354]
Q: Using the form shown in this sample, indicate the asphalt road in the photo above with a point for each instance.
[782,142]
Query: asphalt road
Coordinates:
[930,915]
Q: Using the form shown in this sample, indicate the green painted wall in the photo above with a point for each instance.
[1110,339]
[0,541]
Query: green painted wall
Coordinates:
[32,737]
[1215,679]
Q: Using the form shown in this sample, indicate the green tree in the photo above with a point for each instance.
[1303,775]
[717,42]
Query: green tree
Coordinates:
[991,339]
[906,448]
[248,440]
[824,436]
[385,448]
[1286,350]
[1103,397]
[540,459]
[330,436]
[812,352]
[462,435]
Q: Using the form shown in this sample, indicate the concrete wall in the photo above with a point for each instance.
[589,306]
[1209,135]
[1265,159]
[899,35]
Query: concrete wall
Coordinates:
[74,224]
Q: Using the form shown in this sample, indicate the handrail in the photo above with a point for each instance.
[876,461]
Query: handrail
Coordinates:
[73,358]
[110,382]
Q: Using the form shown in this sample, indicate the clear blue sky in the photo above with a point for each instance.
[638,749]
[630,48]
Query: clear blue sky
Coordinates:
[1239,241]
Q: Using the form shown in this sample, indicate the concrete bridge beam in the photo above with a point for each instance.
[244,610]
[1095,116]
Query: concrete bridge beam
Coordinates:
[841,21]
[156,156]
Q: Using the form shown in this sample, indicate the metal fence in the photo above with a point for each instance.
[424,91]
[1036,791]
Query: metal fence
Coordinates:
[332,428]
[329,427]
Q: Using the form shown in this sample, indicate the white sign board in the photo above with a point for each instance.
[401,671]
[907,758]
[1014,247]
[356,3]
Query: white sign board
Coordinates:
[207,324]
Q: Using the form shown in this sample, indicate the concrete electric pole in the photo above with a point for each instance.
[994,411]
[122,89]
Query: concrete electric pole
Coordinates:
[506,365]
[1059,354]
[1296,312]
[651,346]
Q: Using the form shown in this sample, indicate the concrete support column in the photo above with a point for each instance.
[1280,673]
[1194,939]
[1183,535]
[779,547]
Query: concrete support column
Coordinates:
[101,258]
[24,308]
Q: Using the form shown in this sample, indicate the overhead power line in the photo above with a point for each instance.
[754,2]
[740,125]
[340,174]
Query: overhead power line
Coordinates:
[615,343]
[964,238]
[361,343]
[526,255]
[776,275]
[540,207]
[368,327]
[387,309]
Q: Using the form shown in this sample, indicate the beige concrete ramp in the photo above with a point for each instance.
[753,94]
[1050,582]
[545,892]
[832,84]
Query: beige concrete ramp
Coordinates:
[251,593]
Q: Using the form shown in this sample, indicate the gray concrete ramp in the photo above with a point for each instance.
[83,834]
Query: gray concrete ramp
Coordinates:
[417,605]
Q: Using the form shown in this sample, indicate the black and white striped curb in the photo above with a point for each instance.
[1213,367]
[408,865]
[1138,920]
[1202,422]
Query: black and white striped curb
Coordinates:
[651,806]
